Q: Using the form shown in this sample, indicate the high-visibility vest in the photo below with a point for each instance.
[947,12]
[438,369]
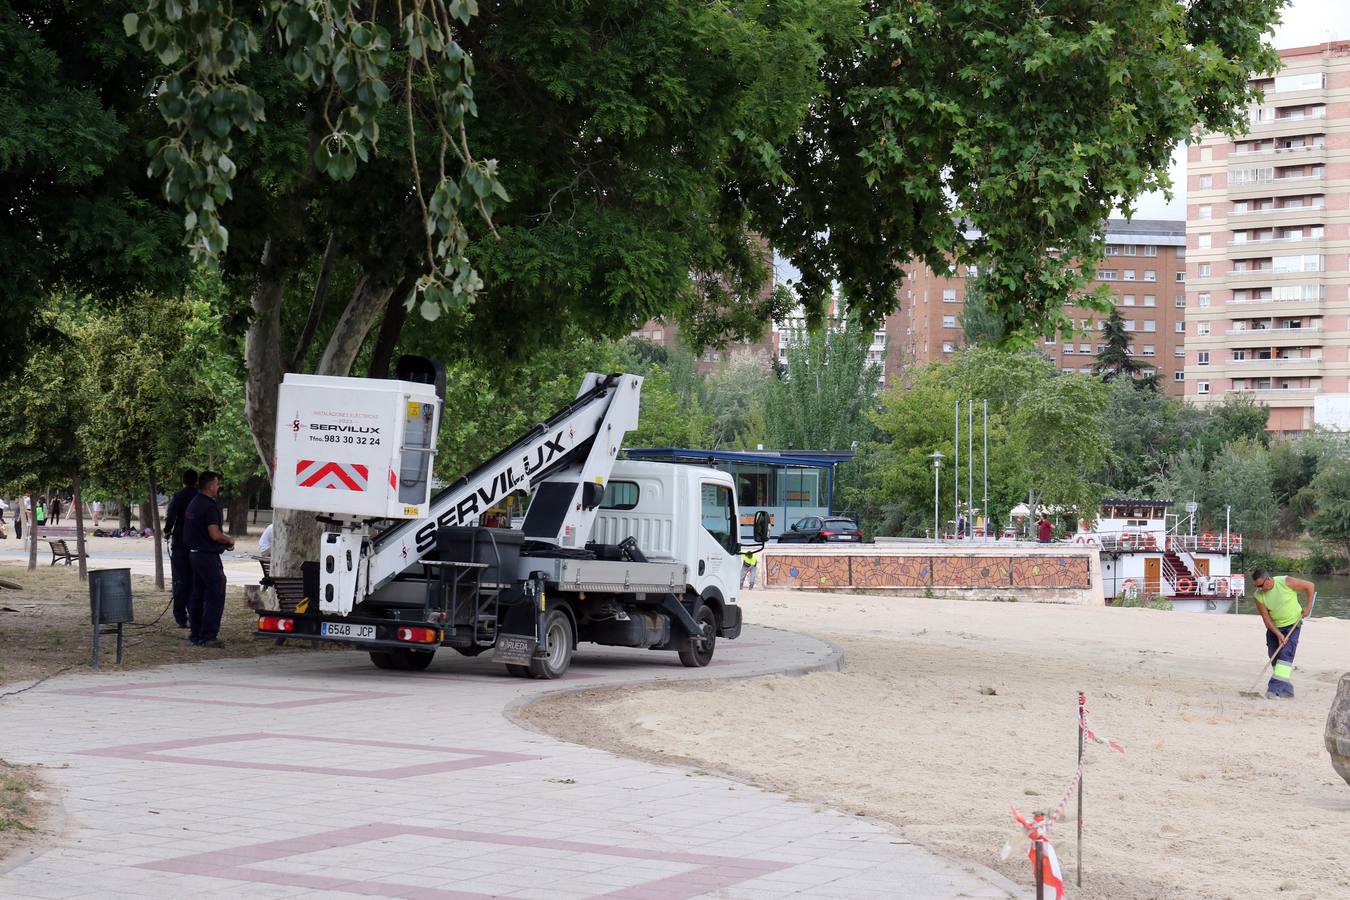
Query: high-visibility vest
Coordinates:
[1282,601]
[750,559]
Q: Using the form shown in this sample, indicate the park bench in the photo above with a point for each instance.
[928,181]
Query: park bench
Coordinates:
[62,553]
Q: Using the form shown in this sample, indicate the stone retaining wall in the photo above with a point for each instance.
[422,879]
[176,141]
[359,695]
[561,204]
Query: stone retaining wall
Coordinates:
[1058,573]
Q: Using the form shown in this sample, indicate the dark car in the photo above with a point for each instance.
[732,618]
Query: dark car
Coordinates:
[818,530]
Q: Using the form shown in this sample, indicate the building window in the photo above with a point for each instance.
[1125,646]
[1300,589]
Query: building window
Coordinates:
[949,295]
[1127,300]
[1178,375]
[1067,370]
[1180,351]
[1085,349]
[1129,275]
[946,346]
[1148,350]
[1150,275]
[1181,328]
[1086,370]
[1202,328]
[1050,340]
[1150,324]
[1202,300]
[1206,182]
[949,321]
[1202,387]
[1107,275]
[1181,277]
[1204,211]
[1068,349]
[1150,299]
[1181,301]
[1129,324]
[1202,358]
[1150,249]
[1203,241]
[1205,269]
[972,271]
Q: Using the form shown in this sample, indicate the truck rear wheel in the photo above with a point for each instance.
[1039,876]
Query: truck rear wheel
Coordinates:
[698,649]
[411,660]
[557,647]
[381,659]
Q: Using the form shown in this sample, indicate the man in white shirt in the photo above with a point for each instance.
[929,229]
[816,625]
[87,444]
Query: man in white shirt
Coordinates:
[265,542]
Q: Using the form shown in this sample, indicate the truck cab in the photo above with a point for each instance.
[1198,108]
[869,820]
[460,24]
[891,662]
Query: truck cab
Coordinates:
[682,514]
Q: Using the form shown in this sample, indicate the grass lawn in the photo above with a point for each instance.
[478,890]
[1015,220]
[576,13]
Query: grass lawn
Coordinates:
[20,807]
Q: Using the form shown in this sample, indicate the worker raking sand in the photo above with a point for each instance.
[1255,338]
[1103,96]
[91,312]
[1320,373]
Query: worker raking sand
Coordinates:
[1277,601]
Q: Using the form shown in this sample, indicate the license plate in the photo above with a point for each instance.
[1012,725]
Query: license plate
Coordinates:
[347,631]
[514,648]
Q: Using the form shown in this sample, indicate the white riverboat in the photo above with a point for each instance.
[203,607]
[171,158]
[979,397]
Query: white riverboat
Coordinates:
[1148,551]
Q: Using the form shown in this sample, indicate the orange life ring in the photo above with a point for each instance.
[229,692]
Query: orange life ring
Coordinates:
[1185,585]
[1126,539]
[1222,586]
[1129,587]
[1148,541]
[1207,541]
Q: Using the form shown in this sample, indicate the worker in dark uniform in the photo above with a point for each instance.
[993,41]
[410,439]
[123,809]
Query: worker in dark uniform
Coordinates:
[179,563]
[206,542]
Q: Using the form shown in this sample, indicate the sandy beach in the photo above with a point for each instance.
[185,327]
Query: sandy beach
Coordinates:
[947,711]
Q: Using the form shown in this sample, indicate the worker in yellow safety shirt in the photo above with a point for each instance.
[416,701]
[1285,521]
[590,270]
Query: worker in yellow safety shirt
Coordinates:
[1277,601]
[749,566]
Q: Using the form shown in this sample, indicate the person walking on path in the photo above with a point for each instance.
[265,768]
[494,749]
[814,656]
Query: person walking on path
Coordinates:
[40,511]
[21,516]
[54,511]
[749,566]
[1277,601]
[206,542]
[180,564]
[96,510]
[1044,530]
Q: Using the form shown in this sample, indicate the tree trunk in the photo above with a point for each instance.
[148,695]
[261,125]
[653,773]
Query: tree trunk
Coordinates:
[316,305]
[391,326]
[369,298]
[79,529]
[238,507]
[146,514]
[154,526]
[295,538]
[262,356]
[124,515]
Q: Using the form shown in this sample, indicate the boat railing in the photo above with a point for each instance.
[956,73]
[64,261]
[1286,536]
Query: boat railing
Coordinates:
[1209,542]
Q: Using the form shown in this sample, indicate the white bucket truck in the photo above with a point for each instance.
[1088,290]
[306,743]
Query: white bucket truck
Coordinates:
[618,552]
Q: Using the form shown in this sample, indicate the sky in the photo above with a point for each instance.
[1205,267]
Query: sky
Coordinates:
[1304,22]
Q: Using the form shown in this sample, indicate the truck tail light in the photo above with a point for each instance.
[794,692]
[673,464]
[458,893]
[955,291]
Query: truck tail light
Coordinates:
[419,635]
[275,623]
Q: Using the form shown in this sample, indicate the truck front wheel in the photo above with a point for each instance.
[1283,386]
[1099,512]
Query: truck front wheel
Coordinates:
[698,649]
[557,647]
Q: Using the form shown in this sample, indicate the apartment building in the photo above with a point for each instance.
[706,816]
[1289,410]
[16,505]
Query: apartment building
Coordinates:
[1268,233]
[793,331]
[1145,269]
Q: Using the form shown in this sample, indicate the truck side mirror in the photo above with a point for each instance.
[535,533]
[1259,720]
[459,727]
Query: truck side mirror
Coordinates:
[591,494]
[761,527]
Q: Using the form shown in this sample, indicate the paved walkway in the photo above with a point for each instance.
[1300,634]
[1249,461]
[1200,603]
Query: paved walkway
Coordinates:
[319,775]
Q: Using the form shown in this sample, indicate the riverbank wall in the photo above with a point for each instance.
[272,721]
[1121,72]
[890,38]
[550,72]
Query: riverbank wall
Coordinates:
[973,570]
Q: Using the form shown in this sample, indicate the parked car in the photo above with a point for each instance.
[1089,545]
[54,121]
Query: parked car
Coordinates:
[819,530]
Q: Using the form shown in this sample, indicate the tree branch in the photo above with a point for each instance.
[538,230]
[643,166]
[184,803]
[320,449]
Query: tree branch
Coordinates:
[316,305]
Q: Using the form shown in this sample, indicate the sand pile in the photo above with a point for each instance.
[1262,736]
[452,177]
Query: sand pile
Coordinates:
[948,710]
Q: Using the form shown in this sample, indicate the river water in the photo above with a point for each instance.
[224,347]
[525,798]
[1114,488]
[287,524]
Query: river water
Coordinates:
[1333,596]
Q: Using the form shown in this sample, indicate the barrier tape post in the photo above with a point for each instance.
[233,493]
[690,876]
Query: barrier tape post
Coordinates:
[1082,725]
[1040,875]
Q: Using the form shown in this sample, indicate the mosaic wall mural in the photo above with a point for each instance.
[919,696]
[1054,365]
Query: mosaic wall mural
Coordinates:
[845,570]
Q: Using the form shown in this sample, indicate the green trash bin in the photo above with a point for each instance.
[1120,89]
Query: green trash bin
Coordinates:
[109,605]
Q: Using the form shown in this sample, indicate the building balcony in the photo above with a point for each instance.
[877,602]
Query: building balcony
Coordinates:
[1274,337]
[1301,367]
[1254,308]
[1289,126]
[1279,218]
[1267,278]
[1290,185]
[1278,396]
[1314,153]
[1310,245]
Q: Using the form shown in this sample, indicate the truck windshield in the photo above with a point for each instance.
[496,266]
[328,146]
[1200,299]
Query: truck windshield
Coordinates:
[718,512]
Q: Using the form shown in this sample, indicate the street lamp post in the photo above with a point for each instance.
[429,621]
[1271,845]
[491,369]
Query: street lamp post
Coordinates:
[937,467]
